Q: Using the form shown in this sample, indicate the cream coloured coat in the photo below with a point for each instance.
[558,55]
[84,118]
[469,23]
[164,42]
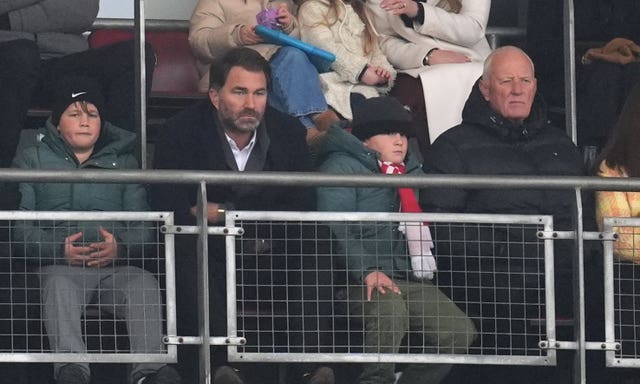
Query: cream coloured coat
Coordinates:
[463,32]
[215,29]
[344,39]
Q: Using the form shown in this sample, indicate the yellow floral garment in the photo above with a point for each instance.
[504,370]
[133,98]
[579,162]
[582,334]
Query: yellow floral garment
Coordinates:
[620,204]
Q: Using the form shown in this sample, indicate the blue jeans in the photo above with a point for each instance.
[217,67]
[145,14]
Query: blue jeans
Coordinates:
[295,85]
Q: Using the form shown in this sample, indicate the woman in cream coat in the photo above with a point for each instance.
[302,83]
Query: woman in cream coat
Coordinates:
[417,36]
[409,30]
[344,29]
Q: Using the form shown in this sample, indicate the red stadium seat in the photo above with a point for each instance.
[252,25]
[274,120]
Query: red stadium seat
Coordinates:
[175,78]
[176,74]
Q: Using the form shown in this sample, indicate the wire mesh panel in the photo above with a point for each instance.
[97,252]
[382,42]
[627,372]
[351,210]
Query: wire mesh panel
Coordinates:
[622,291]
[86,286]
[300,288]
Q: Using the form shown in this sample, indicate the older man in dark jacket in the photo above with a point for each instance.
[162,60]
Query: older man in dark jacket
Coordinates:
[504,131]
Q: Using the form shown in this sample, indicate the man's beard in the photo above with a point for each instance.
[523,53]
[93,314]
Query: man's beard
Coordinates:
[244,122]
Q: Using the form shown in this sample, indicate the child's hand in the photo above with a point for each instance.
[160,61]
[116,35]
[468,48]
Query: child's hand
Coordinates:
[75,255]
[383,74]
[248,35]
[284,17]
[381,282]
[375,75]
[105,252]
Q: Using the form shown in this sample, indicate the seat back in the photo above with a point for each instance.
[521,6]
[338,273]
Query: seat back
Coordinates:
[176,74]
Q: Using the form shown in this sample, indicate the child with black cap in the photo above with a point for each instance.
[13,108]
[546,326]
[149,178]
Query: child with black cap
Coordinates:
[87,262]
[390,265]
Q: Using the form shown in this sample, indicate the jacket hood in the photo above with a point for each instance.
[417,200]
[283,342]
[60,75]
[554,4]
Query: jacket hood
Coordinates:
[339,141]
[112,143]
[477,111]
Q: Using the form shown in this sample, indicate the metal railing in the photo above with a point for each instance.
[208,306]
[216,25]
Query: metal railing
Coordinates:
[32,253]
[577,342]
[622,293]
[289,296]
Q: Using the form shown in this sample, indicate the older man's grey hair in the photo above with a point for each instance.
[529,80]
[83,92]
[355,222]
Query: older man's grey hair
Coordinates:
[488,62]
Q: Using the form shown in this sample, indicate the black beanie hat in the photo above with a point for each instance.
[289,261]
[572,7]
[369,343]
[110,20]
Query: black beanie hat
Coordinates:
[71,89]
[378,116]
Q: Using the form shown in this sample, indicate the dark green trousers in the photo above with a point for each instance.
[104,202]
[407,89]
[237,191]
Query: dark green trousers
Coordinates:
[420,309]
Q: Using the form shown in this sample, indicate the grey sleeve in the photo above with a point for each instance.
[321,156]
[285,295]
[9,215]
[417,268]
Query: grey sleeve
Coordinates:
[65,16]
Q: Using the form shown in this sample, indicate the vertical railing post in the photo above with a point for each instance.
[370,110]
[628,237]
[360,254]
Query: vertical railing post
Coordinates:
[570,71]
[170,276]
[140,82]
[579,363]
[203,285]
[609,293]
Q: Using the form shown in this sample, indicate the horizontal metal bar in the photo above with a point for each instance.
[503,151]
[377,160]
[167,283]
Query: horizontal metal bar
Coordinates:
[602,346]
[237,341]
[87,357]
[622,221]
[597,236]
[619,362]
[183,25]
[391,358]
[180,340]
[388,216]
[317,179]
[195,340]
[556,344]
[556,235]
[194,230]
[507,31]
[150,24]
[85,215]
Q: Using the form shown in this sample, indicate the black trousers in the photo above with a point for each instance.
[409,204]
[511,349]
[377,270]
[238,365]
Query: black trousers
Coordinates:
[295,271]
[27,80]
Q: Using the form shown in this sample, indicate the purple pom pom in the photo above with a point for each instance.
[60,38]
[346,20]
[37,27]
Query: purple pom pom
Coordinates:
[268,19]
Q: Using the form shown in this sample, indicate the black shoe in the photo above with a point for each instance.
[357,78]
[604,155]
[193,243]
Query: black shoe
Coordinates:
[72,374]
[322,375]
[164,375]
[226,375]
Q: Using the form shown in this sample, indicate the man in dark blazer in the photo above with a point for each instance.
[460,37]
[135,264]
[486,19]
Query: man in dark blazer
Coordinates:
[233,130]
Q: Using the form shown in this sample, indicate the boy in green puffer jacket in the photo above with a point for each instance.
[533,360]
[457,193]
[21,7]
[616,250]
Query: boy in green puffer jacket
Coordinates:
[88,262]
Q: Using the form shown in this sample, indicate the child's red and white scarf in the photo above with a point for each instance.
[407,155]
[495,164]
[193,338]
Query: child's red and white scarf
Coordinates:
[418,235]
